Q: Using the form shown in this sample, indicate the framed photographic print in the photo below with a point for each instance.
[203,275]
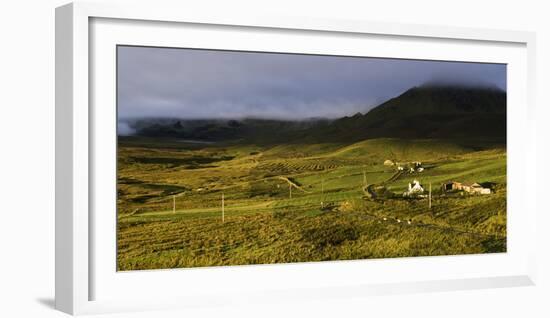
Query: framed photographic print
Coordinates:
[239,157]
[260,158]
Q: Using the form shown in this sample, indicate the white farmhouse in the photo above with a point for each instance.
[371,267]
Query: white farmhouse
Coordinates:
[415,188]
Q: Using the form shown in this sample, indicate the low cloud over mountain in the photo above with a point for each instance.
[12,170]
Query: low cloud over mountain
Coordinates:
[206,84]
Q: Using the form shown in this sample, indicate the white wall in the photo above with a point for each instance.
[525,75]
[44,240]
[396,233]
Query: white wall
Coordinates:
[27,157]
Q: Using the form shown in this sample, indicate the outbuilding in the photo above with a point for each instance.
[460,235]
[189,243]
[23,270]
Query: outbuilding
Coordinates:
[451,186]
[474,188]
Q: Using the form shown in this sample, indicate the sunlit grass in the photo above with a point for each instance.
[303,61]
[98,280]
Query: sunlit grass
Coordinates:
[327,218]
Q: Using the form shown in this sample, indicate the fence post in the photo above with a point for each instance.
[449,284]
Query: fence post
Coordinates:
[430,197]
[290,190]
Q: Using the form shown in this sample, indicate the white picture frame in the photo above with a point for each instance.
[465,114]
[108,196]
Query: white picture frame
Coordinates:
[77,251]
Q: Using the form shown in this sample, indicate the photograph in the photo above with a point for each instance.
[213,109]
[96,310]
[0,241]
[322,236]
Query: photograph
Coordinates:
[229,158]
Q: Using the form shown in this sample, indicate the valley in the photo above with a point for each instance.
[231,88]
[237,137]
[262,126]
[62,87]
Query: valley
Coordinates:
[170,209]
[408,178]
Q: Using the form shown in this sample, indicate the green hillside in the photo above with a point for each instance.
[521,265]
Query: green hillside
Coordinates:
[429,112]
[315,190]
[326,217]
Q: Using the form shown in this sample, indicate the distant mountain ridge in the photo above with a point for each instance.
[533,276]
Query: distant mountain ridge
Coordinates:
[428,111]
[223,129]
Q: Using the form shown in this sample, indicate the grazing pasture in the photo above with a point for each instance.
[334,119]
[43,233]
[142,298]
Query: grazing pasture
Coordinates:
[301,202]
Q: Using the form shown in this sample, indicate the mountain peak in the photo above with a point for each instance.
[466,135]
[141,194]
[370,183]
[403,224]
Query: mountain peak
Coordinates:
[441,98]
[435,110]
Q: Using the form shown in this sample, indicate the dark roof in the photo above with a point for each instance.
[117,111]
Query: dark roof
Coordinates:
[451,182]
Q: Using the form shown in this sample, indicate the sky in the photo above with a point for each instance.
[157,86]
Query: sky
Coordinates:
[209,84]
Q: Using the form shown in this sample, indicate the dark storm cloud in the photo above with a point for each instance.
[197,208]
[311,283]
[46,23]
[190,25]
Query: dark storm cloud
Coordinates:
[184,83]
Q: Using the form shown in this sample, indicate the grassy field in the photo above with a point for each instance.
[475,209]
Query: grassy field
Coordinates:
[301,202]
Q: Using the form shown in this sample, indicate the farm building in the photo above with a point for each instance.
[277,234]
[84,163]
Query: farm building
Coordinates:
[451,186]
[474,188]
[415,188]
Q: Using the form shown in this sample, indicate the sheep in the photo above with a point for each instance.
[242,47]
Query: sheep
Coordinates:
[409,221]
